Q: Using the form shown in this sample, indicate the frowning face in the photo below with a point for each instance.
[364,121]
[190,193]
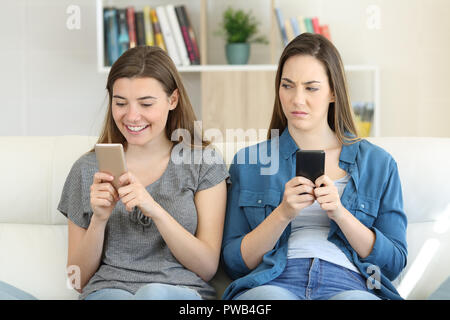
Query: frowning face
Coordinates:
[305,92]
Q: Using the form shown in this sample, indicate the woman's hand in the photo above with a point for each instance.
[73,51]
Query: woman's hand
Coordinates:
[328,197]
[103,196]
[133,193]
[298,194]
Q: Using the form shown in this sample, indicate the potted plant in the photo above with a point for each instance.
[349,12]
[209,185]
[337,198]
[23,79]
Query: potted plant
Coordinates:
[239,29]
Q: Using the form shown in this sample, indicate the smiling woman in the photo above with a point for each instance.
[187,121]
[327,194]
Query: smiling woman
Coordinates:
[158,235]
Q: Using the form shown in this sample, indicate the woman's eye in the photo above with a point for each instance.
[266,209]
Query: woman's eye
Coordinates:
[286,86]
[311,89]
[146,104]
[120,104]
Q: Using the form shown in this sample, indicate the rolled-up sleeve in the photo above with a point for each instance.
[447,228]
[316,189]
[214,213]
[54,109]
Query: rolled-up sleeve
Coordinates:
[389,252]
[236,227]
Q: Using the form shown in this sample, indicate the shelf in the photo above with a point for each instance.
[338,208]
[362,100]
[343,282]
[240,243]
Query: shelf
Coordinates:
[251,67]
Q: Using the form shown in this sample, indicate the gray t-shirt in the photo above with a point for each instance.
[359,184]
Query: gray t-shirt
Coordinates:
[134,253]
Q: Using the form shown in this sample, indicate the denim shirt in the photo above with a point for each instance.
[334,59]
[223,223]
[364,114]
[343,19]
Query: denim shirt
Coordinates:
[373,195]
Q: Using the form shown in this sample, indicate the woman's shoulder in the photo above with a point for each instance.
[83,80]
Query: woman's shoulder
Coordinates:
[84,166]
[255,154]
[86,160]
[374,156]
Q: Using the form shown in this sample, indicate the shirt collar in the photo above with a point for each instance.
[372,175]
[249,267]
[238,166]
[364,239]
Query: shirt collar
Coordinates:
[288,147]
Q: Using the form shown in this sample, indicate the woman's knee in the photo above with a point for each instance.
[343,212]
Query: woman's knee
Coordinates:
[355,295]
[267,292]
[160,291]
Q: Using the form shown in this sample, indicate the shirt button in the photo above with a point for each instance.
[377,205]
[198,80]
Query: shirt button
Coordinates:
[362,205]
[259,201]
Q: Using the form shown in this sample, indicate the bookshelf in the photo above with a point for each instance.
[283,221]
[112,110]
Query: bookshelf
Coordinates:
[253,106]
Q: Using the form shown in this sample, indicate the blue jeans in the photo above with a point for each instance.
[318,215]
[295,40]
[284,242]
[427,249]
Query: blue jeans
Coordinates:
[8,292]
[312,279]
[152,291]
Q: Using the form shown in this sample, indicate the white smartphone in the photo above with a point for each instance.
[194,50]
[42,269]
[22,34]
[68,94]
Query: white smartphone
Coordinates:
[111,159]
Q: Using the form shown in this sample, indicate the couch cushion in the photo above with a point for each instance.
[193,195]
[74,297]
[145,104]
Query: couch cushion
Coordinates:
[33,258]
[424,171]
[37,168]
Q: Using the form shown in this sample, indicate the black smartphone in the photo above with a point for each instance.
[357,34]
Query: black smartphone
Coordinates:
[310,164]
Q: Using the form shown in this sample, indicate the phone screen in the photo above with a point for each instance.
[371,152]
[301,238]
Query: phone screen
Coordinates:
[310,164]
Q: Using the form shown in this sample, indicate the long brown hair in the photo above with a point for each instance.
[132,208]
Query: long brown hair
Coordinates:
[340,118]
[151,62]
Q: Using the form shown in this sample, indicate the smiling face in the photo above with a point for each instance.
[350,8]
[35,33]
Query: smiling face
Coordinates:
[305,93]
[140,108]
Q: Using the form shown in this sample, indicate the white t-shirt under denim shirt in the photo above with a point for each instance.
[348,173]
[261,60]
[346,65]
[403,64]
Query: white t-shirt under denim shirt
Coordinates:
[309,233]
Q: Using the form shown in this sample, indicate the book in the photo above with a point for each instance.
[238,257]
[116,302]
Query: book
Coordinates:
[301,24]
[316,26]
[280,21]
[140,31]
[309,26]
[191,34]
[295,27]
[149,40]
[111,34]
[169,39]
[159,40]
[124,39]
[176,31]
[131,26]
[185,34]
[289,31]
[325,31]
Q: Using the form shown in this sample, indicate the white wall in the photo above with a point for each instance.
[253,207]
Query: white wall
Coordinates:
[49,83]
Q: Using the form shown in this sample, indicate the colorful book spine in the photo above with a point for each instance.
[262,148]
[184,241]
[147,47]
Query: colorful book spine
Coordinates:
[325,31]
[131,26]
[185,33]
[111,36]
[316,25]
[140,31]
[124,39]
[280,21]
[176,30]
[309,26]
[301,24]
[289,31]
[149,40]
[159,40]
[168,36]
[295,27]
[191,34]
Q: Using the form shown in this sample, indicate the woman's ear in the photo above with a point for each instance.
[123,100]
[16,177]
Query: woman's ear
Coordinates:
[332,97]
[173,99]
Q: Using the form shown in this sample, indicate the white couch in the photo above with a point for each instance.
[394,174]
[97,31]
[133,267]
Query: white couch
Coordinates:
[33,234]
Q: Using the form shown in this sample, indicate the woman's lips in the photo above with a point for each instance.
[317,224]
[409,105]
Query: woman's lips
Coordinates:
[299,114]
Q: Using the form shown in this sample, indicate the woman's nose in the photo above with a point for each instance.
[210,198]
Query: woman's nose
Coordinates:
[133,114]
[299,98]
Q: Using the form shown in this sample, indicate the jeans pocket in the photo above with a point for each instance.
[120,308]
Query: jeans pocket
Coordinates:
[358,278]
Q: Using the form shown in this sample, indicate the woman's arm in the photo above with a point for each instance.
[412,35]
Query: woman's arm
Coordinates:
[86,245]
[85,249]
[199,253]
[357,234]
[297,196]
[384,243]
